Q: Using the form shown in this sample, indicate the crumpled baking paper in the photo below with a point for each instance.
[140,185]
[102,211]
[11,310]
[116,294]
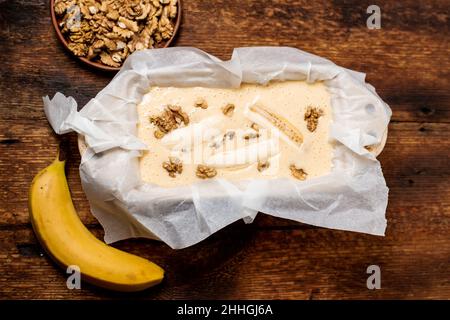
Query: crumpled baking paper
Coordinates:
[353,196]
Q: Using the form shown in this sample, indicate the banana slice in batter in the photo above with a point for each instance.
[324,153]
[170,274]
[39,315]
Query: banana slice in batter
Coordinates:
[282,124]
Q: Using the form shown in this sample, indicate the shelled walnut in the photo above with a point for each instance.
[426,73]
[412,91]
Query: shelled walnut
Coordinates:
[201,103]
[263,165]
[205,172]
[170,119]
[255,126]
[173,166]
[228,109]
[312,116]
[108,31]
[298,173]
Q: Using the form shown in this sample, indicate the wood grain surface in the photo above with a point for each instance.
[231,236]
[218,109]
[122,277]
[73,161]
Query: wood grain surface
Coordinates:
[408,62]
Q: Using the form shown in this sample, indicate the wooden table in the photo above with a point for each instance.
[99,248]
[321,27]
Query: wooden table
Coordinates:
[407,60]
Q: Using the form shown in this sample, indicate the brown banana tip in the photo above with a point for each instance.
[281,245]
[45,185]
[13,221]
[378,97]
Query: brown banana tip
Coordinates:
[63,149]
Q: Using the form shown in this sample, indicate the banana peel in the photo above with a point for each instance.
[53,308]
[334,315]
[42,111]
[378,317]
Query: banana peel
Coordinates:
[65,238]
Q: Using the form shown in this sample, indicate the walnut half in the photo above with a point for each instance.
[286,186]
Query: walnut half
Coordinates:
[312,116]
[228,109]
[201,103]
[204,172]
[173,166]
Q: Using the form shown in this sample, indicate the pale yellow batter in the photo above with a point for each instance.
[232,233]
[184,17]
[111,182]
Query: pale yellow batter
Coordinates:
[234,157]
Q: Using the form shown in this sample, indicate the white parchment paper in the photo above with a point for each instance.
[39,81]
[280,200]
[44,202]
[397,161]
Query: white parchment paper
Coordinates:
[353,196]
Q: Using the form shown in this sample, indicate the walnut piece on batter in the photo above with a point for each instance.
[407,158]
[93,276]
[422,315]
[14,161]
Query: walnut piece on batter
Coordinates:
[173,166]
[201,103]
[204,172]
[255,126]
[299,174]
[228,109]
[170,119]
[263,165]
[312,116]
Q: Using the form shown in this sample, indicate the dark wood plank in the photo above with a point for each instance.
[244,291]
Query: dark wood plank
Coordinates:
[415,164]
[410,75]
[244,262]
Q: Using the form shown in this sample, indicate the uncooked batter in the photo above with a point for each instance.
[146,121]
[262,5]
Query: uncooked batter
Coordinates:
[251,132]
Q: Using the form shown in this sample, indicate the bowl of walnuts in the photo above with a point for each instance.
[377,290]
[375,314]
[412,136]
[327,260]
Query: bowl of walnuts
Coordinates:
[103,33]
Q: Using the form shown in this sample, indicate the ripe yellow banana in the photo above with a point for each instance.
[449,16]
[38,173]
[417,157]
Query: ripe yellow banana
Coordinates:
[69,242]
